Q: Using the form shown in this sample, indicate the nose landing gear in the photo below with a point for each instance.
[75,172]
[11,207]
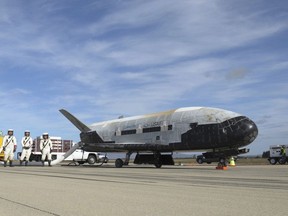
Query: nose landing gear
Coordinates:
[222,164]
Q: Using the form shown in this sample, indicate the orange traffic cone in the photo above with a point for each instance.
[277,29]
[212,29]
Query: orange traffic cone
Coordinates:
[221,166]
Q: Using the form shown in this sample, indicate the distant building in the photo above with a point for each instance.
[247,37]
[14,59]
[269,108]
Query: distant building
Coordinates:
[59,145]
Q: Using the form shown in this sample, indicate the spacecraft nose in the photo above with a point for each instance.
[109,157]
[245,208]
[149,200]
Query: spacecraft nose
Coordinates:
[248,130]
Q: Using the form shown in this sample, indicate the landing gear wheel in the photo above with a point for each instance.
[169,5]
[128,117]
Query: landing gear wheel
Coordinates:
[273,161]
[223,162]
[157,159]
[158,164]
[119,163]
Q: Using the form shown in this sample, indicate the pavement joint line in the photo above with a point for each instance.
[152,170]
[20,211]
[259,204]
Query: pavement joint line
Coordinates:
[194,182]
[28,206]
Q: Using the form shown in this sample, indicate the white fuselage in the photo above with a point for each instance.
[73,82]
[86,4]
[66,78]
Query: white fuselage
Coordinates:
[172,124]
[184,129]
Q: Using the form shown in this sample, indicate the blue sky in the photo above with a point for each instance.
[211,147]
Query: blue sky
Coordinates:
[102,59]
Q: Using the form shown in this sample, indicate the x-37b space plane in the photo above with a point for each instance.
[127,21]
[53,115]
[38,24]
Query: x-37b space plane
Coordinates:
[154,137]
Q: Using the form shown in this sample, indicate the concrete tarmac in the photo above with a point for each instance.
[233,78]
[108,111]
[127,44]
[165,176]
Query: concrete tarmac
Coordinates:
[144,190]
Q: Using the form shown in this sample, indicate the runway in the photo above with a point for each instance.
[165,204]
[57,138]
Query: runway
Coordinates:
[144,190]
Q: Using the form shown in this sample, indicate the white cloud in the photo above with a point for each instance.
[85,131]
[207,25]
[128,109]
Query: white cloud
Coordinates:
[178,30]
[142,56]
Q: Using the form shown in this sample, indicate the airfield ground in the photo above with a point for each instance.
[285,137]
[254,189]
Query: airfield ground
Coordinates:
[144,190]
[240,161]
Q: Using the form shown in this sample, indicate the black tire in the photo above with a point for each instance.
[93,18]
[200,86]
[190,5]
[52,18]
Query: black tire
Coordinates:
[199,160]
[81,162]
[282,160]
[91,159]
[119,163]
[158,165]
[223,161]
[273,161]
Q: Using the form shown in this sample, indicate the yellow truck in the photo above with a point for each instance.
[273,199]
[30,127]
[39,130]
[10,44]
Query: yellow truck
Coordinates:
[1,153]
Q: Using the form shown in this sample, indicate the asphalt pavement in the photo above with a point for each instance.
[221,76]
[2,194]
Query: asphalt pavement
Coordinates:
[144,190]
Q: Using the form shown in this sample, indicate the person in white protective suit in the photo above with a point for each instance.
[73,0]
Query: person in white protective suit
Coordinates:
[9,146]
[46,148]
[27,143]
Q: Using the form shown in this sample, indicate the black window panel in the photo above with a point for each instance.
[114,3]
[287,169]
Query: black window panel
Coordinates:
[193,125]
[170,127]
[151,129]
[127,132]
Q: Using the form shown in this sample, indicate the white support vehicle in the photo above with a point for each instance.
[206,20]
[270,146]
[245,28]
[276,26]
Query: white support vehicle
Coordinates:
[275,154]
[80,156]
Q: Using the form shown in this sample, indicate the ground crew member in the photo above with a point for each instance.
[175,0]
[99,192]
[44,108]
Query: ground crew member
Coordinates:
[46,148]
[283,151]
[27,143]
[9,147]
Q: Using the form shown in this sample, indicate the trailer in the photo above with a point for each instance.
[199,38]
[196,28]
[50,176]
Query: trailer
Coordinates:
[276,155]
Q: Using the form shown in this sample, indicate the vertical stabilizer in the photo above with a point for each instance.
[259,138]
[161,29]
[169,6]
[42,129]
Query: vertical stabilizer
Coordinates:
[87,136]
[81,126]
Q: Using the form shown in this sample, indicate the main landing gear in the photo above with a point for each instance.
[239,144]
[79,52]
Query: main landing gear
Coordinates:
[223,162]
[155,158]
[119,162]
